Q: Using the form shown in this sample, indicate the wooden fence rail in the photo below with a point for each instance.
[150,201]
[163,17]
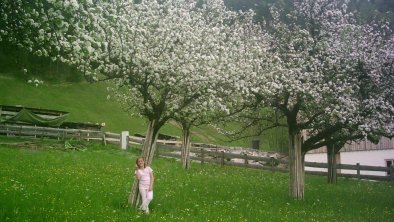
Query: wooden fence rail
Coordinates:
[49,132]
[197,152]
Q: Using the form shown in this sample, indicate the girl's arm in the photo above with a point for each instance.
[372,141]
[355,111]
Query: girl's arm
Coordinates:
[137,175]
[152,179]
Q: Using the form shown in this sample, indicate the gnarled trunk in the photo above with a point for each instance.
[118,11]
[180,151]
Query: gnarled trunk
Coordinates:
[332,164]
[148,151]
[296,166]
[186,144]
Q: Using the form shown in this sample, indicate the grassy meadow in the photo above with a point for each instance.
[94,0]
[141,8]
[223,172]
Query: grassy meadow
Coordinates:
[46,182]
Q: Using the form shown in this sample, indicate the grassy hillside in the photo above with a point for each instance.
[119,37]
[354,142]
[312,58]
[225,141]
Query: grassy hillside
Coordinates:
[87,102]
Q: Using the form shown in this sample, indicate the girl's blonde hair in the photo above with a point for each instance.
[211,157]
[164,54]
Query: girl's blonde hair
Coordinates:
[136,161]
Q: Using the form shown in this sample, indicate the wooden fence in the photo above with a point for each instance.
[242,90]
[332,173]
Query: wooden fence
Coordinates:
[199,152]
[217,155]
[203,155]
[364,145]
[49,132]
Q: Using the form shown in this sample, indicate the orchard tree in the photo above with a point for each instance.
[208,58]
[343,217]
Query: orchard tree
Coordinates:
[369,48]
[330,77]
[161,55]
[245,50]
[187,119]
[197,114]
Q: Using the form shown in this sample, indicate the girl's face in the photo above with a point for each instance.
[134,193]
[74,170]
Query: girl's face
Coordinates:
[140,163]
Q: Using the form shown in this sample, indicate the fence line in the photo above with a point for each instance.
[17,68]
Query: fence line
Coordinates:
[203,155]
[49,132]
[364,145]
[207,154]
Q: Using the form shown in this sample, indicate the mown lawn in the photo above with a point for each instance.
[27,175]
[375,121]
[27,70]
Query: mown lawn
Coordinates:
[49,183]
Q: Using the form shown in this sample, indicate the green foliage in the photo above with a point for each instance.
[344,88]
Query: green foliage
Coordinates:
[366,10]
[25,66]
[374,10]
[260,7]
[56,185]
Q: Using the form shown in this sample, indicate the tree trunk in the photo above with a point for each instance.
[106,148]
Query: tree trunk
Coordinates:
[148,151]
[296,166]
[149,147]
[186,144]
[333,158]
[332,164]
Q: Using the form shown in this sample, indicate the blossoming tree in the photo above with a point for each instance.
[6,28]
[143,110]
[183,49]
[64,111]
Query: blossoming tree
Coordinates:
[330,78]
[163,56]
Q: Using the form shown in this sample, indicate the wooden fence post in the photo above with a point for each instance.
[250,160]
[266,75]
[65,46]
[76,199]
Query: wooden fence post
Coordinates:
[222,157]
[42,133]
[272,159]
[358,171]
[202,155]
[246,159]
[392,173]
[104,140]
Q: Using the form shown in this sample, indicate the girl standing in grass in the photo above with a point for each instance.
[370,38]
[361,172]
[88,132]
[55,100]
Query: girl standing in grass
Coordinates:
[144,174]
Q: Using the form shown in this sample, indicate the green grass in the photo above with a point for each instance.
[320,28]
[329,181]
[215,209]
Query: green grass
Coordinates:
[48,184]
[87,102]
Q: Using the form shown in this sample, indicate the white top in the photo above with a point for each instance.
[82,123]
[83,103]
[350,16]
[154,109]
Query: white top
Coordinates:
[144,177]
